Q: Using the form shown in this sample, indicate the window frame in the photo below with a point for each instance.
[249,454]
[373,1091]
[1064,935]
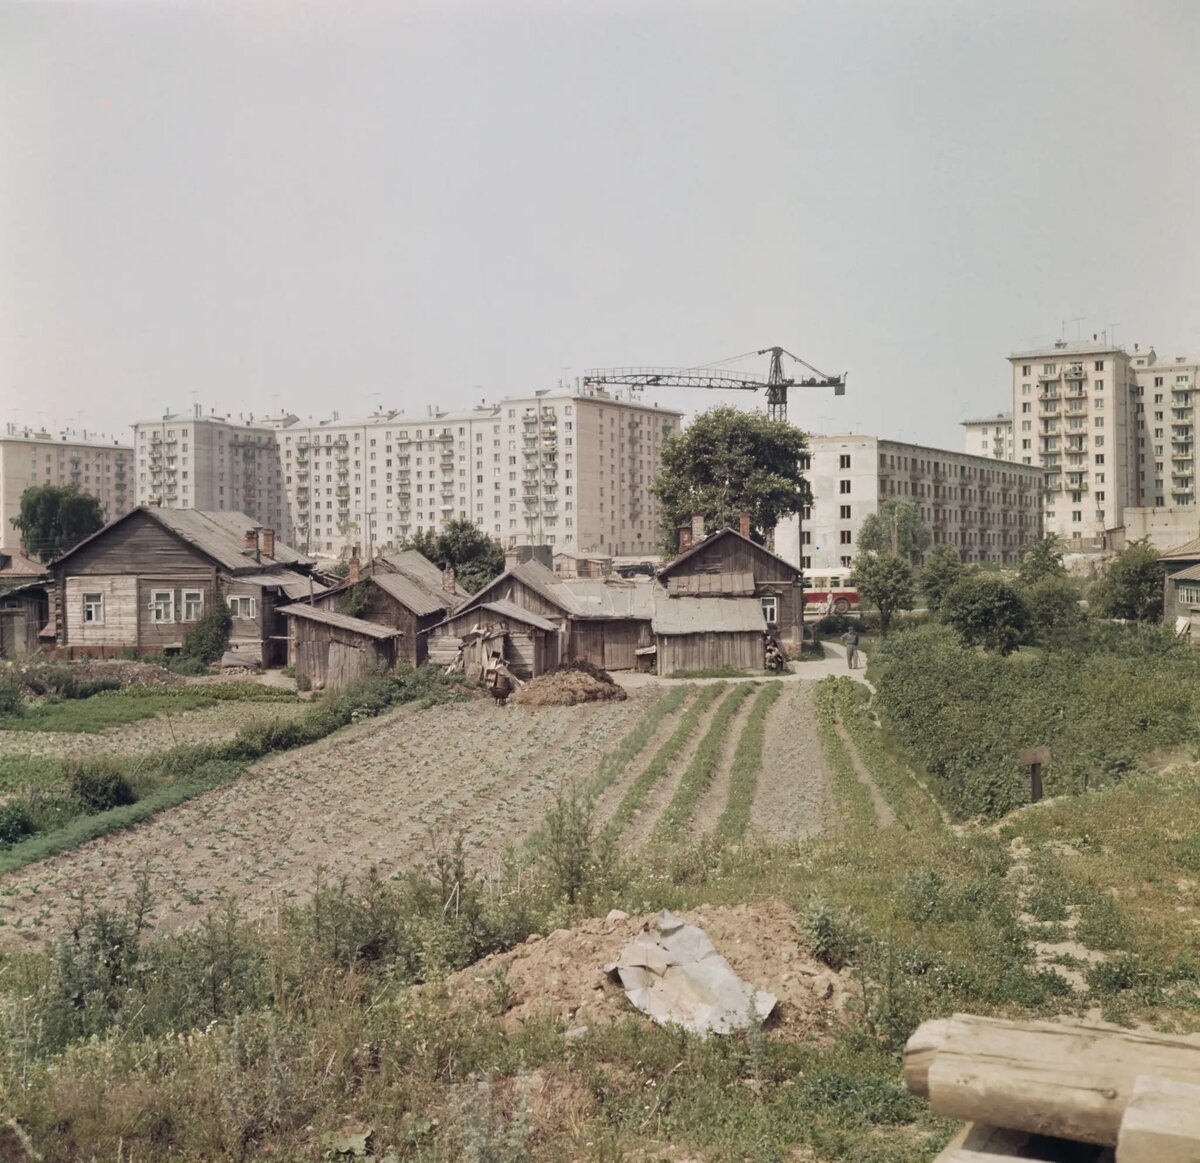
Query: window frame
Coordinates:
[98,604]
[185,599]
[155,606]
[236,601]
[770,608]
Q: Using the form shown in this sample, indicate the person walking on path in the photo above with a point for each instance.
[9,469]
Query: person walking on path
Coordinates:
[850,641]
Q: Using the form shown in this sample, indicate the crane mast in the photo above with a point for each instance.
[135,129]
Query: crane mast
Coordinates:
[776,384]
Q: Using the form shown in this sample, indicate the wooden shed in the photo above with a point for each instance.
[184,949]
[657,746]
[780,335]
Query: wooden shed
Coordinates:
[24,610]
[330,650]
[709,633]
[611,621]
[530,643]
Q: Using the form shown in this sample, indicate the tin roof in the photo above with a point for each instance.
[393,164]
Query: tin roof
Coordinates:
[513,611]
[342,621]
[728,583]
[1192,573]
[612,597]
[413,594]
[708,616]
[1189,550]
[295,585]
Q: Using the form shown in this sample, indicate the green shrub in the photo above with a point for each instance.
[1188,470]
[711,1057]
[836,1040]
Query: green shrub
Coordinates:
[208,639]
[985,611]
[834,937]
[98,784]
[15,822]
[10,695]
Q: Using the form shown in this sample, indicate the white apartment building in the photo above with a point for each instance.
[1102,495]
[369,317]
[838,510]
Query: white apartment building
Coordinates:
[1164,391]
[992,436]
[97,465]
[212,463]
[987,510]
[570,469]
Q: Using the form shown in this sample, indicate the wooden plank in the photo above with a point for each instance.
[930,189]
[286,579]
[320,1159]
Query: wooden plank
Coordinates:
[981,1143]
[1065,1080]
[1161,1123]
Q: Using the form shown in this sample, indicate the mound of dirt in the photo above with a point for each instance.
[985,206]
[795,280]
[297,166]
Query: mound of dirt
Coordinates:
[562,974]
[565,688]
[127,673]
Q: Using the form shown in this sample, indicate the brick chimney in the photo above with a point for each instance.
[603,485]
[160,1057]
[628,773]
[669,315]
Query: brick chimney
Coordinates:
[268,543]
[697,527]
[685,538]
[250,545]
[354,574]
[448,579]
[744,525]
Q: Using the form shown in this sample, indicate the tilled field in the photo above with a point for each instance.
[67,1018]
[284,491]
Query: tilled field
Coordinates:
[386,792]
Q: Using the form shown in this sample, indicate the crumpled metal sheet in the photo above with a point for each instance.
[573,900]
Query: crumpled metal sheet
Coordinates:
[675,976]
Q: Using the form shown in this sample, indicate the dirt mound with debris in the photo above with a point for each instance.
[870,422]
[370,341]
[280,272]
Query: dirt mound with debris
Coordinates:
[565,688]
[562,974]
[127,673]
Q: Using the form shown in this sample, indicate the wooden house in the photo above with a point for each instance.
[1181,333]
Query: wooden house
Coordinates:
[330,650]
[707,633]
[582,565]
[602,621]
[24,603]
[142,581]
[1181,590]
[404,591]
[527,642]
[728,564]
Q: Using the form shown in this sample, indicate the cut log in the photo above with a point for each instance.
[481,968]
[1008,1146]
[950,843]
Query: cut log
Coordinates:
[979,1143]
[1161,1123]
[1068,1081]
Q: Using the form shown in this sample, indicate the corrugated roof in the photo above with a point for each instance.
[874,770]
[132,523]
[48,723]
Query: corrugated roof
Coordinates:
[1192,573]
[727,583]
[295,585]
[412,594]
[612,598]
[708,616]
[342,621]
[1189,549]
[512,610]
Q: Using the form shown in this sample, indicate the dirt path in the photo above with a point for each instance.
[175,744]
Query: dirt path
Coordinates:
[372,794]
[793,797]
[716,795]
[205,725]
[610,799]
[883,810]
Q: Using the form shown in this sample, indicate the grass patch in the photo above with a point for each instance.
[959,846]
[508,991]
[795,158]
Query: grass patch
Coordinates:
[703,767]
[718,672]
[852,793]
[747,763]
[657,768]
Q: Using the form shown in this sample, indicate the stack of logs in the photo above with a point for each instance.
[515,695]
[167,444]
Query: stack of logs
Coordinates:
[1037,1090]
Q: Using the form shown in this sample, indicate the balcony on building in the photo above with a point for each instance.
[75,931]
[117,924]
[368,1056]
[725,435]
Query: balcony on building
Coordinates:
[1073,371]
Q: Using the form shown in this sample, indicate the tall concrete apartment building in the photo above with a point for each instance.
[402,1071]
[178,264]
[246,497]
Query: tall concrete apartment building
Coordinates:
[992,436]
[988,510]
[212,463]
[571,469]
[99,466]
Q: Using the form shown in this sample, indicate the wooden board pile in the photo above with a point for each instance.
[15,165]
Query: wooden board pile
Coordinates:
[1038,1090]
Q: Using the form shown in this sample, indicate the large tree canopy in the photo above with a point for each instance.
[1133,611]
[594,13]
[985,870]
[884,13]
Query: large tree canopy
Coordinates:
[884,581]
[896,528]
[1131,585]
[461,546]
[726,463]
[53,518]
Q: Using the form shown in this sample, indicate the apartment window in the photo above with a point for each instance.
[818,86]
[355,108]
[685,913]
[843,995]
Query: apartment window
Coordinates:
[844,512]
[1100,458]
[1025,390]
[1027,406]
[1099,366]
[805,536]
[845,536]
[93,608]
[844,461]
[1099,421]
[1098,385]
[1048,369]
[770,609]
[1027,369]
[162,605]
[1025,444]
[1077,515]
[1026,426]
[806,563]
[1099,440]
[242,607]
[193,605]
[1100,497]
[843,486]
[845,562]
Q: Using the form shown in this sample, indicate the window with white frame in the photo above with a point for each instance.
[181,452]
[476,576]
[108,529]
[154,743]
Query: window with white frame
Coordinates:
[93,608]
[162,605]
[193,605]
[1188,595]
[243,607]
[770,609]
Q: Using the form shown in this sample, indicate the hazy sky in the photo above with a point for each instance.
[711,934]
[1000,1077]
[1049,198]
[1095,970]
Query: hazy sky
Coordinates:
[353,204]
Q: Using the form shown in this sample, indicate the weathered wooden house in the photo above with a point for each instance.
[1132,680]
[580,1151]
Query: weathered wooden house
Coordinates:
[601,621]
[142,581]
[728,564]
[709,633]
[330,650]
[529,643]
[24,603]
[1181,590]
[404,591]
[583,565]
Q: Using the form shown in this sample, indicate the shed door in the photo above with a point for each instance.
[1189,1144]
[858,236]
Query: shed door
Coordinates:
[345,664]
[519,654]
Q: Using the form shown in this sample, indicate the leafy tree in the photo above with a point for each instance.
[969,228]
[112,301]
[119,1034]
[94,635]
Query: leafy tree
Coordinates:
[53,518]
[942,569]
[884,581]
[987,612]
[726,463]
[459,545]
[1044,558]
[1131,585]
[1053,604]
[896,528]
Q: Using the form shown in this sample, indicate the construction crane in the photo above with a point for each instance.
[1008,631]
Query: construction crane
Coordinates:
[707,376]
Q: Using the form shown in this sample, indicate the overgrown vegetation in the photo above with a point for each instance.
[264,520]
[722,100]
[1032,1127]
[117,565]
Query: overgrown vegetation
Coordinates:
[208,639]
[747,762]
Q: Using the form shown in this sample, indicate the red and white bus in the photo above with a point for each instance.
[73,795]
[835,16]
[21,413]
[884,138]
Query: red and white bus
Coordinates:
[829,591]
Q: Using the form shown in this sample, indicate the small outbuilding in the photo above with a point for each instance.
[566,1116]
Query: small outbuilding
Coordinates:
[330,650]
[24,611]
[527,642]
[1181,590]
[709,634]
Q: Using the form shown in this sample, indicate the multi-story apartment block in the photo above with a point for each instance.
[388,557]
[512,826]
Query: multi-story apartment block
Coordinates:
[991,436]
[571,469]
[99,466]
[987,509]
[1166,429]
[212,463]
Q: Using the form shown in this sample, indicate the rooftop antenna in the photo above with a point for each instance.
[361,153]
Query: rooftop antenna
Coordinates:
[1113,327]
[1077,320]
